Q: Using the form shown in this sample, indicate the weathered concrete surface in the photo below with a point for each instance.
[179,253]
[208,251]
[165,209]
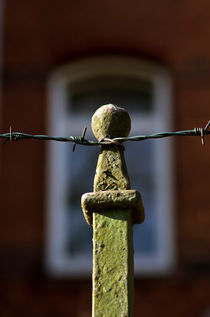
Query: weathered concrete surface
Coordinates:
[110,121]
[113,199]
[113,290]
[110,211]
[111,170]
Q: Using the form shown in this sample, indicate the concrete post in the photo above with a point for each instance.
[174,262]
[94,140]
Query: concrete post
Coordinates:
[112,209]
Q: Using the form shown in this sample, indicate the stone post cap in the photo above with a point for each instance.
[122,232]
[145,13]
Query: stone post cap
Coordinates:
[117,199]
[110,121]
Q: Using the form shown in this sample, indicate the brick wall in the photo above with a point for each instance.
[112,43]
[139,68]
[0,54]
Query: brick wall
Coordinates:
[41,35]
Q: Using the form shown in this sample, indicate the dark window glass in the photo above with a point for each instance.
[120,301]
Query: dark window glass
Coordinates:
[133,93]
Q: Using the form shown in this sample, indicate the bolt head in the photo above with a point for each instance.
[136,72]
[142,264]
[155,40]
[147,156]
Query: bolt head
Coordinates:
[111,121]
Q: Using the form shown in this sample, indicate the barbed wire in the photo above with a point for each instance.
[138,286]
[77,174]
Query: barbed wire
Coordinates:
[17,136]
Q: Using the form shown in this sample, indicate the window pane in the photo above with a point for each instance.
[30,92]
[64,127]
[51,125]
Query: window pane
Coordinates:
[81,171]
[88,95]
[140,163]
[85,97]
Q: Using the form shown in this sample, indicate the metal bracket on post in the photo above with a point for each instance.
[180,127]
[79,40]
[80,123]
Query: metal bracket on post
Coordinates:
[112,209]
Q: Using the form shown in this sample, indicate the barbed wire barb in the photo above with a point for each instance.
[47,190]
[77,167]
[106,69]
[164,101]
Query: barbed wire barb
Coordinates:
[82,138]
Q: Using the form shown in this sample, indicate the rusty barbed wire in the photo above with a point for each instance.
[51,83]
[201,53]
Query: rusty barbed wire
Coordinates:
[17,136]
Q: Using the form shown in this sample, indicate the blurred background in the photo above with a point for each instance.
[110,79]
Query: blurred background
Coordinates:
[60,61]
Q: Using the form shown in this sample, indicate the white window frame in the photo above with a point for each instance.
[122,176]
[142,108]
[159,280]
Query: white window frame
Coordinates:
[58,262]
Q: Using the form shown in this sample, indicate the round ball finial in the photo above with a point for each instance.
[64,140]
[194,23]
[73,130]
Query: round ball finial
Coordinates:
[111,121]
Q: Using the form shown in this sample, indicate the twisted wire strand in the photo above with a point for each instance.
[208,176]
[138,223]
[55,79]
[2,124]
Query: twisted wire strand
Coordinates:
[17,136]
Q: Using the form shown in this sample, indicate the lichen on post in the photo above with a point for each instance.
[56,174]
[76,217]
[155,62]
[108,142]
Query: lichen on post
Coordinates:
[112,209]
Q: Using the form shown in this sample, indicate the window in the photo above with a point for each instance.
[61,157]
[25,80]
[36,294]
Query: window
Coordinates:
[75,92]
